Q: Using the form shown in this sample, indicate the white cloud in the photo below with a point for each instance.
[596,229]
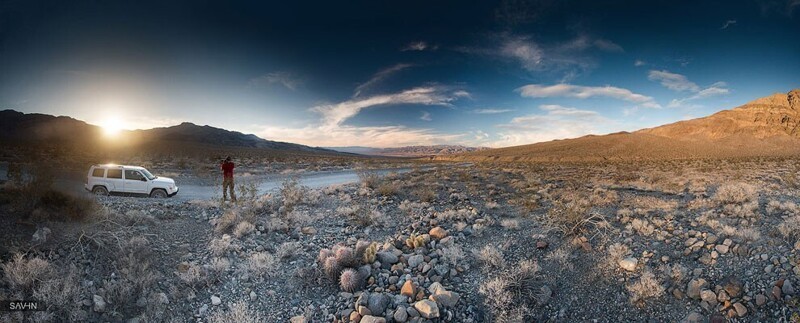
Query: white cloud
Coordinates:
[330,130]
[426,116]
[286,79]
[673,81]
[639,62]
[380,76]
[534,56]
[558,122]
[681,83]
[727,24]
[419,46]
[584,92]
[491,111]
[335,114]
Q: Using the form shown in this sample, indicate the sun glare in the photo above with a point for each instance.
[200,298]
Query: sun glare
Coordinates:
[111,127]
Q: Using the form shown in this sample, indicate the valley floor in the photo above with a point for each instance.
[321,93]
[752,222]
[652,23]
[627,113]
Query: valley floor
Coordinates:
[691,241]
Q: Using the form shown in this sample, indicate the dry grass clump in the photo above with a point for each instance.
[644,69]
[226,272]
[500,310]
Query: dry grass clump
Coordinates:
[261,264]
[221,246]
[511,224]
[782,208]
[239,312]
[735,193]
[388,188]
[512,293]
[574,217]
[452,254]
[21,274]
[363,215]
[648,286]
[36,278]
[790,227]
[426,194]
[243,228]
[225,222]
[616,252]
[137,276]
[490,257]
[643,227]
[368,179]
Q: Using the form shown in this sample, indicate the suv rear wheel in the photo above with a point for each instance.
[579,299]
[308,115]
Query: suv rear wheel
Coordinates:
[158,193]
[99,190]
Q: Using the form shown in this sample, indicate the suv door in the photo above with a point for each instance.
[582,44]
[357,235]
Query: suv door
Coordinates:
[135,182]
[114,180]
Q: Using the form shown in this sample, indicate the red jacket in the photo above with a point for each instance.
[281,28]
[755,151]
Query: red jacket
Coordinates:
[227,169]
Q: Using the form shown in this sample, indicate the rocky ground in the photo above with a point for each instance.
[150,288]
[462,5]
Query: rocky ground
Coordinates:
[679,241]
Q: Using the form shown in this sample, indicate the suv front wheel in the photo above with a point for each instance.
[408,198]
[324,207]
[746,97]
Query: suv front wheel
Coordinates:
[99,190]
[158,193]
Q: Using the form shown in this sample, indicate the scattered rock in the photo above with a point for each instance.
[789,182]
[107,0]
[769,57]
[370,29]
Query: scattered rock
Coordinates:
[628,264]
[741,310]
[415,261]
[445,298]
[695,286]
[378,303]
[761,299]
[215,300]
[427,309]
[693,317]
[787,288]
[400,314]
[438,233]
[408,289]
[40,236]
[541,244]
[721,248]
[372,319]
[387,258]
[298,319]
[733,286]
[99,303]
[308,230]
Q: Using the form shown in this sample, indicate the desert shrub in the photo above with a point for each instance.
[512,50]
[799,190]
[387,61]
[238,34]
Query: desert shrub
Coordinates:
[735,193]
[288,250]
[790,227]
[782,208]
[512,293]
[616,252]
[562,256]
[221,246]
[219,266]
[243,228]
[648,286]
[21,274]
[490,257]
[292,194]
[388,188]
[425,194]
[574,218]
[137,277]
[239,312]
[369,179]
[452,254]
[224,223]
[261,264]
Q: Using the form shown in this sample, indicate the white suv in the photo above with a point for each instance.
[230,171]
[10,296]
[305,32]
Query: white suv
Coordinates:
[109,178]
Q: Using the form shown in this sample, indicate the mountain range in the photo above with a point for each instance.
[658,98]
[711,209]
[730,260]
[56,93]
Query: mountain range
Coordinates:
[769,126]
[41,129]
[409,151]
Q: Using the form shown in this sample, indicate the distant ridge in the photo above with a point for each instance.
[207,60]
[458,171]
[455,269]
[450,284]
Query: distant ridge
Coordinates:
[409,151]
[42,129]
[768,126]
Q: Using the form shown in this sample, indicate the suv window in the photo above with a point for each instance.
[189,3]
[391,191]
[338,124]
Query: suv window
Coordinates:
[133,175]
[114,173]
[98,172]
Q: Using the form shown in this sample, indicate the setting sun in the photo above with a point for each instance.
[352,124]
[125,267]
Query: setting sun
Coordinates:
[111,126]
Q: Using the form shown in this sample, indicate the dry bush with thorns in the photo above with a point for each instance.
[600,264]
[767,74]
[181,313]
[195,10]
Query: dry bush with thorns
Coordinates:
[574,217]
[648,286]
[513,292]
[490,257]
[238,312]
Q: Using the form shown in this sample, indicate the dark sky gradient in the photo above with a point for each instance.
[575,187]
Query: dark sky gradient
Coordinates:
[311,72]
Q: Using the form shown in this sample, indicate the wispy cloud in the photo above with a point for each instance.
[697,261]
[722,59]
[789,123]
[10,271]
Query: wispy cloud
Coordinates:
[673,81]
[584,92]
[639,62]
[336,114]
[419,46]
[680,83]
[727,24]
[380,76]
[426,116]
[491,111]
[331,129]
[557,122]
[285,79]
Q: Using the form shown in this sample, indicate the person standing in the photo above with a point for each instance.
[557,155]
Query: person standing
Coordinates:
[227,179]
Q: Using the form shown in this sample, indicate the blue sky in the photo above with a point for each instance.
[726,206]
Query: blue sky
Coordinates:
[387,74]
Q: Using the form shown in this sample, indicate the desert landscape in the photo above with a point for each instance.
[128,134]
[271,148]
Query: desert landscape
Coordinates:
[499,161]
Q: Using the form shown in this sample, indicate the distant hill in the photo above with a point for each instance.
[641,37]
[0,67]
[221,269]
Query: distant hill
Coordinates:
[409,151]
[42,129]
[768,126]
